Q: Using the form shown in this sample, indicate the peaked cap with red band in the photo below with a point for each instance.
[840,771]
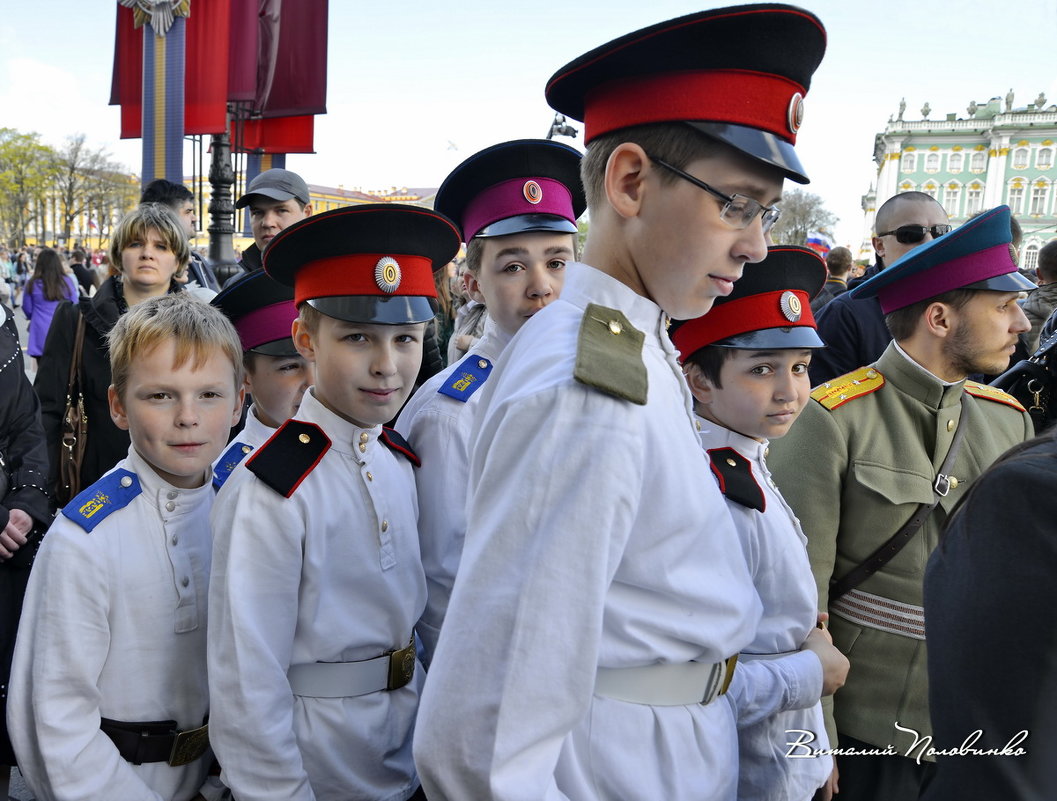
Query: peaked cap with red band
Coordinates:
[769,309]
[736,74]
[367,264]
[515,187]
[974,256]
[262,310]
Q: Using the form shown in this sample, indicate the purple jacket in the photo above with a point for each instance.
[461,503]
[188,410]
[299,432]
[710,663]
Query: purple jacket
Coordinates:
[39,311]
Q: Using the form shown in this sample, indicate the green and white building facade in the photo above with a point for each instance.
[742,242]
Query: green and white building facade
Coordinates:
[995,154]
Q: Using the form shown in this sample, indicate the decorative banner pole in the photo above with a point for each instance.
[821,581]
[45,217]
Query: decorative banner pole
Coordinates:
[221,209]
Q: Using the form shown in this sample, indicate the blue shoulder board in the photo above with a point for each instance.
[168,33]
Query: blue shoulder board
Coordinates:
[94,505]
[228,462]
[468,377]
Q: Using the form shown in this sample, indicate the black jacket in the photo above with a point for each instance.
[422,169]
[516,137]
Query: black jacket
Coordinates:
[854,332]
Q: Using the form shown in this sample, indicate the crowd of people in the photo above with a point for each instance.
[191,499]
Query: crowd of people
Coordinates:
[549,520]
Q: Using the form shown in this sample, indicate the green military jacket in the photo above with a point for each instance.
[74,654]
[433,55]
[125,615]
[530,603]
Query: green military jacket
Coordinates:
[855,467]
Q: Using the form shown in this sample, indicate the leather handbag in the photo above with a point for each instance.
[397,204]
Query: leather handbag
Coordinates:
[1033,382]
[74,425]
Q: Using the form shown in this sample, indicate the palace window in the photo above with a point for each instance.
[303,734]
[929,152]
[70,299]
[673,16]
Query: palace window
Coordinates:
[1038,200]
[950,200]
[1016,199]
[1031,258]
[954,162]
[1020,158]
[973,199]
[931,190]
[1044,158]
[932,162]
[978,161]
[910,162]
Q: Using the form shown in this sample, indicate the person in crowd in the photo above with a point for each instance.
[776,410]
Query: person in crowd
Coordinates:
[86,278]
[148,248]
[517,204]
[7,278]
[854,330]
[1039,305]
[317,578]
[276,199]
[838,265]
[445,318]
[182,202]
[746,365]
[616,591]
[24,505]
[873,468]
[109,695]
[262,311]
[45,290]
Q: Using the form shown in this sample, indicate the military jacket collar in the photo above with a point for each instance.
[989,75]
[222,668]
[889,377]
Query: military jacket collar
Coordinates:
[345,437]
[585,285]
[909,377]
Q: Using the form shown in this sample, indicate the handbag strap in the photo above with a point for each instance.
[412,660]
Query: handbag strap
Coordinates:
[75,360]
[883,555]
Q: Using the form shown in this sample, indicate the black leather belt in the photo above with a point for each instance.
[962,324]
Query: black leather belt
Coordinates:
[156,741]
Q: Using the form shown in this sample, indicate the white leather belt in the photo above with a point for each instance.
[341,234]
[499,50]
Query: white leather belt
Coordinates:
[876,612]
[390,671]
[679,684]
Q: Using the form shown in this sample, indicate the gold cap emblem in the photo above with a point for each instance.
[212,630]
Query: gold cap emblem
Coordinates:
[796,112]
[790,306]
[387,274]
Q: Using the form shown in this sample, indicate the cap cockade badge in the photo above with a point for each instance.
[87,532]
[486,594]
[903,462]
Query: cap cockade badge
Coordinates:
[387,274]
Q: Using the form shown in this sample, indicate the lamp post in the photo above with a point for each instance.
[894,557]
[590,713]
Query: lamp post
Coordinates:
[559,127]
[221,209]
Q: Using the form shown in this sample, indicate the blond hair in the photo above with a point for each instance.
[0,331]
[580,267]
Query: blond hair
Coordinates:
[195,328]
[310,317]
[150,217]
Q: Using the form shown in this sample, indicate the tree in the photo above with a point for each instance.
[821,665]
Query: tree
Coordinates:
[76,168]
[25,171]
[802,213]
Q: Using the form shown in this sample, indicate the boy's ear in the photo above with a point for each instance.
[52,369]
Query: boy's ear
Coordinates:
[625,177]
[700,387]
[240,401]
[303,341]
[473,287]
[117,408]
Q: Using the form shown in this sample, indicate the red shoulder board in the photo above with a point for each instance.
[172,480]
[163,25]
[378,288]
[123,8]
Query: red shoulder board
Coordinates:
[736,481]
[993,394]
[286,459]
[392,439]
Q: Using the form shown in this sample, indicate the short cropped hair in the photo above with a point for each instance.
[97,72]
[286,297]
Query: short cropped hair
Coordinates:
[903,322]
[147,217]
[838,261]
[195,328]
[310,317]
[676,143]
[167,192]
[710,360]
[882,220]
[1047,264]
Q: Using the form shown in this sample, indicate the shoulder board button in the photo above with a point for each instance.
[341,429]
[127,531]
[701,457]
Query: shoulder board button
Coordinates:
[609,355]
[848,387]
[993,394]
[231,459]
[286,459]
[736,481]
[94,505]
[467,378]
[391,438]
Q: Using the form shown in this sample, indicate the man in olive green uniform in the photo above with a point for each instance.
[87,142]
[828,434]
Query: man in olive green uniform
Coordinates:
[865,457]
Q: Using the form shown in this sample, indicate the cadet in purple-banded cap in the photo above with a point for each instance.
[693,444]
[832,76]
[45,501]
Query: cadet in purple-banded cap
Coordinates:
[617,595]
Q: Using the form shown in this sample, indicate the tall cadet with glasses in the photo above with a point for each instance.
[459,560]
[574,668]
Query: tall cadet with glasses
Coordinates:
[602,593]
[871,452]
[854,330]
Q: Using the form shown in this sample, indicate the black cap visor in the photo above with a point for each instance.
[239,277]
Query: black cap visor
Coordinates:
[389,310]
[278,347]
[800,336]
[1010,282]
[526,223]
[757,144]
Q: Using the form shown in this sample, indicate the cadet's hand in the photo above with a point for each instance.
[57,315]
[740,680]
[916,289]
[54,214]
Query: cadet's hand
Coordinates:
[834,664]
[14,534]
[829,789]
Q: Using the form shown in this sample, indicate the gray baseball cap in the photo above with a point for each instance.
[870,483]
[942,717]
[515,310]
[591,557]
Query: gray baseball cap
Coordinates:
[278,185]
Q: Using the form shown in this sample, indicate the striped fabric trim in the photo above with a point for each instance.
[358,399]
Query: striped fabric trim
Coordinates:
[163,102]
[884,614]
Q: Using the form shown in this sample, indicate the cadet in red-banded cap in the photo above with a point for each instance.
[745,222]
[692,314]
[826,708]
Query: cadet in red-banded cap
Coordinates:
[617,595]
[318,576]
[746,365]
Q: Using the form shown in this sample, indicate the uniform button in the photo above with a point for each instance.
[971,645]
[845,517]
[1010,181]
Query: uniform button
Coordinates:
[247,448]
[364,436]
[954,483]
[950,425]
[482,363]
[869,374]
[615,327]
[370,476]
[362,447]
[766,452]
[385,525]
[170,506]
[697,424]
[732,463]
[126,481]
[305,439]
[171,496]
[185,581]
[175,540]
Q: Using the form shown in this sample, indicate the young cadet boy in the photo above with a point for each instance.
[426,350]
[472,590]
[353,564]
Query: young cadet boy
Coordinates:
[746,363]
[262,311]
[602,592]
[318,579]
[517,205]
[108,694]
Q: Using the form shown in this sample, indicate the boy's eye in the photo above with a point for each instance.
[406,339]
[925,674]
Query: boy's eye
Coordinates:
[211,395]
[158,396]
[557,264]
[800,369]
[406,338]
[760,369]
[514,267]
[355,337]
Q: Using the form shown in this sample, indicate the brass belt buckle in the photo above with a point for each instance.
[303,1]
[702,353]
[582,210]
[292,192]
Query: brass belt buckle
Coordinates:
[731,663]
[188,746]
[401,666]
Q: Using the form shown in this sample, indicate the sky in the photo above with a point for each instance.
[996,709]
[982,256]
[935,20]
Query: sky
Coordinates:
[416,86]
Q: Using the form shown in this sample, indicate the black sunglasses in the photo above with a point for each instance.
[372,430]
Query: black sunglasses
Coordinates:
[912,234]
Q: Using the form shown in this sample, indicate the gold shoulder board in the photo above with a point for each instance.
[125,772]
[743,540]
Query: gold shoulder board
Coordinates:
[993,394]
[848,387]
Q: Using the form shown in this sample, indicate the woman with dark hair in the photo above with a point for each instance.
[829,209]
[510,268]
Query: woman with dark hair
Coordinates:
[49,286]
[149,250]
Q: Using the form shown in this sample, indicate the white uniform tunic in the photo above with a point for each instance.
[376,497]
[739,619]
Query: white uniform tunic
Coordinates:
[114,626]
[595,538]
[331,574]
[776,687]
[437,426]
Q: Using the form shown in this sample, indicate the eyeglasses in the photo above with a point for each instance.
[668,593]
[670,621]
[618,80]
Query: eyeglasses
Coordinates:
[912,234]
[738,210]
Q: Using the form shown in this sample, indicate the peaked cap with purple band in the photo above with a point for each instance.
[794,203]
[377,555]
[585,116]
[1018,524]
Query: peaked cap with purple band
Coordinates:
[262,311]
[515,187]
[973,256]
